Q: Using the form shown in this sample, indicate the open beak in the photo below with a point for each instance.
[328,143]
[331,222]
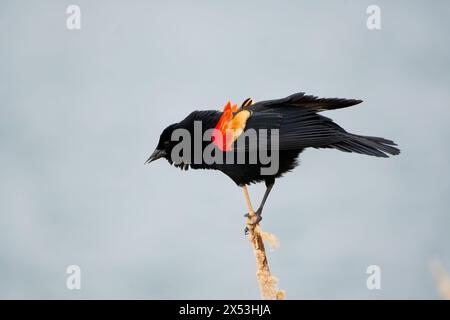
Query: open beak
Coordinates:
[156,155]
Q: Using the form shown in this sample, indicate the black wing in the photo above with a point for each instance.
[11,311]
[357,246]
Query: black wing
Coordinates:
[302,127]
[300,100]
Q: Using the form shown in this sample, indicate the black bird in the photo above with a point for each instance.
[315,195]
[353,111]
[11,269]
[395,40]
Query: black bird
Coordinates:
[299,126]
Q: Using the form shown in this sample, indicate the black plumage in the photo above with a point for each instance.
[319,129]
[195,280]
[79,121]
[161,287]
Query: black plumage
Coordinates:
[300,126]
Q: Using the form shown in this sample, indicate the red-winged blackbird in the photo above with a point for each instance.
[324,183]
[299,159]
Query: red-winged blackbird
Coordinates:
[299,126]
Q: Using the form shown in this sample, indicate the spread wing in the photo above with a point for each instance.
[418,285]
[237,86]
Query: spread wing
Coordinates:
[306,102]
[301,126]
[297,120]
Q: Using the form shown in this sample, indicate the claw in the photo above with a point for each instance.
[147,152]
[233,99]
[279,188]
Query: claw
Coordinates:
[258,220]
[257,214]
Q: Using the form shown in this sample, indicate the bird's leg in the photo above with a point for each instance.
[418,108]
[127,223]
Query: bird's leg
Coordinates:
[263,202]
[258,212]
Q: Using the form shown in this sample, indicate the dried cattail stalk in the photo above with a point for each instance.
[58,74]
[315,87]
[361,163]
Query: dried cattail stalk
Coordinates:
[442,278]
[268,285]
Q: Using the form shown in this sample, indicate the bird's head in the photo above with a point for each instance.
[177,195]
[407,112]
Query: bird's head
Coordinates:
[165,145]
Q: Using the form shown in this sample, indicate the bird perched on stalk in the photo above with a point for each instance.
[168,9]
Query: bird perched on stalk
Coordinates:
[295,122]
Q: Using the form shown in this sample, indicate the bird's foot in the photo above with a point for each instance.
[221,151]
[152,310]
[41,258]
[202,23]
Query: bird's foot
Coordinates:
[255,221]
[257,214]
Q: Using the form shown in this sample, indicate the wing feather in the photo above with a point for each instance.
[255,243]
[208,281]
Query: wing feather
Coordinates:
[300,100]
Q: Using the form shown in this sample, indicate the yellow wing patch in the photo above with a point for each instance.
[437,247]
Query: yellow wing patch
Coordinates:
[230,126]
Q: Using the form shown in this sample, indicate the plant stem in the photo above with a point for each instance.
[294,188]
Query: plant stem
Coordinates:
[268,285]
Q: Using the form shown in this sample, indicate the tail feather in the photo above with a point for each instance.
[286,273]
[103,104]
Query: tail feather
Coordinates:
[372,146]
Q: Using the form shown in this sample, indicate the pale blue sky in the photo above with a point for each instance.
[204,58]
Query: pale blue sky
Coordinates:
[82,110]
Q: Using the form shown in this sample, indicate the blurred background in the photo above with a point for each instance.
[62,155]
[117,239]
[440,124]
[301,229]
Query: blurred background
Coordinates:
[81,110]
